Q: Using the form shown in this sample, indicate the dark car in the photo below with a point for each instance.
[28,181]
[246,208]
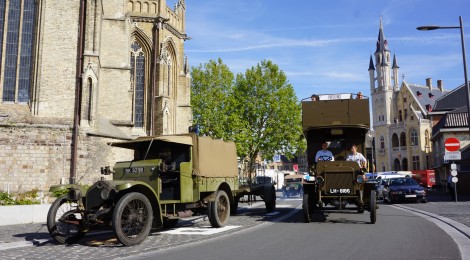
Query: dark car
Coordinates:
[404,189]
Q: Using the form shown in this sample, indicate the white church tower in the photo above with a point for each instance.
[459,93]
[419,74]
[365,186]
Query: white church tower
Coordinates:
[380,82]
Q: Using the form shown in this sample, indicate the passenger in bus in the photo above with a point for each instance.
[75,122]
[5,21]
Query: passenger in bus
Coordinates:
[356,157]
[359,95]
[314,97]
[324,154]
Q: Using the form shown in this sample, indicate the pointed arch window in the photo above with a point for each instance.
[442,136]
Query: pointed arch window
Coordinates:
[18,55]
[414,137]
[138,82]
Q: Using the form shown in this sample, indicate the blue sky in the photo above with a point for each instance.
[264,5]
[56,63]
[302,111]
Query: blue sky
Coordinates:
[324,46]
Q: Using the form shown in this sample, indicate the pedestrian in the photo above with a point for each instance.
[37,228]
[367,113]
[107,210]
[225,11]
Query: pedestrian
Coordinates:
[451,186]
[356,157]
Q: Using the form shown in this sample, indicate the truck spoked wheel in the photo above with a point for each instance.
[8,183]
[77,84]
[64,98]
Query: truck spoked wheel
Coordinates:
[63,223]
[373,207]
[270,199]
[218,211]
[132,218]
[307,207]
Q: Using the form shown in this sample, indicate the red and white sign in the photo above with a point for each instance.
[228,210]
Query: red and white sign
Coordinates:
[452,144]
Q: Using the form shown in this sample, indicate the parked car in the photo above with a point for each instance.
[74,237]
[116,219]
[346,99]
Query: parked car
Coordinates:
[383,180]
[403,189]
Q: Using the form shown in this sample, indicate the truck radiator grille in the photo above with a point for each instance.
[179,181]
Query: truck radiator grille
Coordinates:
[339,180]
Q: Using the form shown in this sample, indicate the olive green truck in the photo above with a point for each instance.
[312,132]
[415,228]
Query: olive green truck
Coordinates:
[170,177]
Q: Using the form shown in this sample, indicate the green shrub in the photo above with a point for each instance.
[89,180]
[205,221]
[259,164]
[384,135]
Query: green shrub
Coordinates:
[25,198]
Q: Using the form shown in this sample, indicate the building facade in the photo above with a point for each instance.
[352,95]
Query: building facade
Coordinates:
[76,75]
[400,114]
[450,120]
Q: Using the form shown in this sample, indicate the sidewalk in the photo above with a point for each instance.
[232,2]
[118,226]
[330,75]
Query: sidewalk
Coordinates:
[441,204]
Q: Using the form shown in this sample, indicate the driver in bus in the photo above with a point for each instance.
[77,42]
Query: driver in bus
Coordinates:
[324,154]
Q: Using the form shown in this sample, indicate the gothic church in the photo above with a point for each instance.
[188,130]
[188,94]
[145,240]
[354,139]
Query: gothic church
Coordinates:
[76,75]
[400,114]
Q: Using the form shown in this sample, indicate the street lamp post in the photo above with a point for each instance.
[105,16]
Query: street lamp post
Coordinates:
[435,27]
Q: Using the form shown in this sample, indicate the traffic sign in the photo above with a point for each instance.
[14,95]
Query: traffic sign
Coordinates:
[455,179]
[453,173]
[451,156]
[452,144]
[453,166]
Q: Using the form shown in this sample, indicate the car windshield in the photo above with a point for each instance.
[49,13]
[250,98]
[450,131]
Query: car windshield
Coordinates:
[403,182]
[294,180]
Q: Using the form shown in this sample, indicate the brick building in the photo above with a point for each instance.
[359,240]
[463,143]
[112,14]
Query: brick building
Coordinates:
[109,69]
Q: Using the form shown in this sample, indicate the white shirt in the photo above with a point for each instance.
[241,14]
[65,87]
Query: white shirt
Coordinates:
[358,157]
[324,153]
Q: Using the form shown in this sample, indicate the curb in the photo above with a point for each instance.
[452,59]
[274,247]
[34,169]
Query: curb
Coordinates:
[459,232]
[23,214]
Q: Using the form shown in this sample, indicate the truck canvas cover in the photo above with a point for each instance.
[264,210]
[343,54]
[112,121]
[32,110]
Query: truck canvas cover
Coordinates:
[211,158]
[340,112]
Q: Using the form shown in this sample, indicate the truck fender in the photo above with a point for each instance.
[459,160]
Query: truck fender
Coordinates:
[145,189]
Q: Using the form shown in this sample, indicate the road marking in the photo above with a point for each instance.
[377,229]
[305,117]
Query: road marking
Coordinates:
[205,231]
[18,244]
[273,213]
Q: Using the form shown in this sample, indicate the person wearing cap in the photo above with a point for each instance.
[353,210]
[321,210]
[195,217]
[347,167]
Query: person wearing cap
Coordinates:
[356,157]
[359,95]
[324,154]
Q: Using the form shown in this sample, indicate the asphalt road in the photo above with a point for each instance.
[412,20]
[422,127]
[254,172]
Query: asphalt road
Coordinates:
[398,234]
[336,235]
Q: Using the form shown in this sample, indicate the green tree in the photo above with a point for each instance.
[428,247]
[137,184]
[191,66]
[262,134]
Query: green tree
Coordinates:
[268,114]
[259,111]
[211,88]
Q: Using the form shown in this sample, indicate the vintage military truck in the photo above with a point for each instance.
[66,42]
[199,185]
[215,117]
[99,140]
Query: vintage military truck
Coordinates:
[292,185]
[341,121]
[170,177]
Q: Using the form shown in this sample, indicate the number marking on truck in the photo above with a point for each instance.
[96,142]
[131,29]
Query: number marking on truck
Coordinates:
[133,170]
[342,191]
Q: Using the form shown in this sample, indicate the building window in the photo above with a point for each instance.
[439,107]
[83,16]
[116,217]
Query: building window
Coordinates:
[416,165]
[404,100]
[138,82]
[402,139]
[414,137]
[406,114]
[400,116]
[286,168]
[18,55]
[382,142]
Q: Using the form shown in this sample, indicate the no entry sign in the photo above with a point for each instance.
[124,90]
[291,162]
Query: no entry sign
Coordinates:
[452,144]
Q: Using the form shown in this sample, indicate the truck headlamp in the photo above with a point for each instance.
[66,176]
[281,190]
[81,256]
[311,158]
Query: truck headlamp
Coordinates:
[320,180]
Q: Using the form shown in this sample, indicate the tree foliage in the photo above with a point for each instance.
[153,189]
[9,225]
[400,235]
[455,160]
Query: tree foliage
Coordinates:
[259,111]
[269,113]
[211,88]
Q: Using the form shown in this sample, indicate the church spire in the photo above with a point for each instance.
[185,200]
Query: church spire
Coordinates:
[395,65]
[382,44]
[371,64]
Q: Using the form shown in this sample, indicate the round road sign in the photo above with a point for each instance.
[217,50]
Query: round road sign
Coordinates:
[453,173]
[452,144]
[455,179]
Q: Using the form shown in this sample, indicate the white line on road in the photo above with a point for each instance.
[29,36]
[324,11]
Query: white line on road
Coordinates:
[198,231]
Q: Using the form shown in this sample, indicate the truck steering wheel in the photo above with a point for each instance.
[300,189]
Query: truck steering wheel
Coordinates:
[324,158]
